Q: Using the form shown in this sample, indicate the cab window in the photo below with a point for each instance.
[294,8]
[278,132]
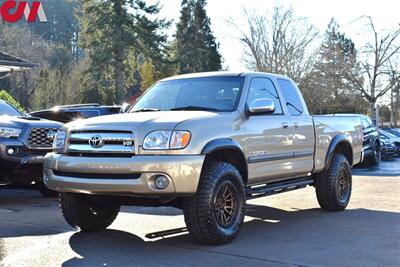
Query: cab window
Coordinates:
[264,88]
[292,98]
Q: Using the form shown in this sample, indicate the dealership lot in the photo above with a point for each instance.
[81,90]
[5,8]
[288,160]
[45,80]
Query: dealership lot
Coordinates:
[282,230]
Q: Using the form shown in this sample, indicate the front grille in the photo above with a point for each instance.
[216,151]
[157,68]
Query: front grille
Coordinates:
[40,138]
[116,142]
[97,175]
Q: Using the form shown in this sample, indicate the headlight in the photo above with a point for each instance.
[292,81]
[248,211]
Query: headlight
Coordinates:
[6,132]
[163,140]
[59,140]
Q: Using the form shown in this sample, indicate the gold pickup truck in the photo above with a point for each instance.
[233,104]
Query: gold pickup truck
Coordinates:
[205,143]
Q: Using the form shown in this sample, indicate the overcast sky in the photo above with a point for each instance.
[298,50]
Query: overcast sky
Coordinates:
[385,14]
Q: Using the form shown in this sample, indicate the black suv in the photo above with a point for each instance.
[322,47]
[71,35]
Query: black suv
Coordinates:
[70,113]
[371,142]
[24,141]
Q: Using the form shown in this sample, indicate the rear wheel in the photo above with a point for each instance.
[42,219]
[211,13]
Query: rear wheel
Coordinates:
[333,186]
[215,214]
[87,213]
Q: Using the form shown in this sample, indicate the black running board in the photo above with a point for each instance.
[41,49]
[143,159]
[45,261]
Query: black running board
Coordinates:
[277,187]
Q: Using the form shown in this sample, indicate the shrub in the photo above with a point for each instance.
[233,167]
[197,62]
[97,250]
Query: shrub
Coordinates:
[7,97]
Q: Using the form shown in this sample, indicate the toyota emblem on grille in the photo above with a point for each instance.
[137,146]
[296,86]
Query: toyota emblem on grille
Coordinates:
[96,141]
[51,134]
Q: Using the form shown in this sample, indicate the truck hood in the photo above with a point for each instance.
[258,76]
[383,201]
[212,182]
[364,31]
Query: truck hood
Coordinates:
[27,121]
[141,121]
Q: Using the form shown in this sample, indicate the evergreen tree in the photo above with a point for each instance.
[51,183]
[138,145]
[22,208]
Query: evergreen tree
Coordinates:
[147,74]
[195,47]
[337,57]
[110,30]
[62,27]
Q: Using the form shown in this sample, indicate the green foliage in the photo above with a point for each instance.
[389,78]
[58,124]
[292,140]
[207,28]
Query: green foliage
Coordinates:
[8,98]
[148,75]
[326,89]
[109,33]
[195,48]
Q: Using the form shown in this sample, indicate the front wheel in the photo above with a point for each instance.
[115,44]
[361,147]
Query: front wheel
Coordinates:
[333,186]
[41,187]
[376,155]
[87,213]
[215,214]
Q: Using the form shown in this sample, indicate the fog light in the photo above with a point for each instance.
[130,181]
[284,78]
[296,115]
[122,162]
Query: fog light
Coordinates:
[161,182]
[10,151]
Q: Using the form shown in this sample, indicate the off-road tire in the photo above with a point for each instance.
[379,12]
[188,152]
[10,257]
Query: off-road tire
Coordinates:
[41,187]
[201,210]
[87,214]
[333,186]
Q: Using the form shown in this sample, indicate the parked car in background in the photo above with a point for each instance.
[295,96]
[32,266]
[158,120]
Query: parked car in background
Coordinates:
[388,148]
[386,135]
[24,140]
[371,142]
[396,132]
[70,113]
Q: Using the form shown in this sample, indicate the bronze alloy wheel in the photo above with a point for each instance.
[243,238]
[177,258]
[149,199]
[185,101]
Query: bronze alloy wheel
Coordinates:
[225,204]
[343,185]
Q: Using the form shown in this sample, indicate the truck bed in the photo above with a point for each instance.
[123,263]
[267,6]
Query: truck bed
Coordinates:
[327,127]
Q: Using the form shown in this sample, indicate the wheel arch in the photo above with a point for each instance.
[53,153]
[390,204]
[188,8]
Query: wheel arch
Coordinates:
[339,144]
[227,150]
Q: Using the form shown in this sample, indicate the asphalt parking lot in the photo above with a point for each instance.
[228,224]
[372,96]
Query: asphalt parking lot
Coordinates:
[281,230]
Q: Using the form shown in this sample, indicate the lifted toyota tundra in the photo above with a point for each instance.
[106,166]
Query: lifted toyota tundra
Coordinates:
[204,143]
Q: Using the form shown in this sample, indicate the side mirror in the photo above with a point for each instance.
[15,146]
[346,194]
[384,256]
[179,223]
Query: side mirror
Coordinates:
[125,108]
[262,106]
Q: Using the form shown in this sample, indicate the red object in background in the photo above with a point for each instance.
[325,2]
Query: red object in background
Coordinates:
[132,100]
[12,11]
[8,6]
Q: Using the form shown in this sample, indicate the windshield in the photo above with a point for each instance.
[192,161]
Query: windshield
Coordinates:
[7,109]
[207,93]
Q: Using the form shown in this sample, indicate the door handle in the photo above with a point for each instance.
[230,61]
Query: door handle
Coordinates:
[296,124]
[285,125]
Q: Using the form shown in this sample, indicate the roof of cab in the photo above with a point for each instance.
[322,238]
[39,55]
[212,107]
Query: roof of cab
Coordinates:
[220,74]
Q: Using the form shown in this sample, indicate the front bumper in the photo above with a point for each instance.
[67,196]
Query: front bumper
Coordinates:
[24,165]
[389,151]
[22,155]
[101,175]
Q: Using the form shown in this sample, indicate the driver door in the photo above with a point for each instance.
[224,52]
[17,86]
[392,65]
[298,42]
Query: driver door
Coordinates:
[269,136]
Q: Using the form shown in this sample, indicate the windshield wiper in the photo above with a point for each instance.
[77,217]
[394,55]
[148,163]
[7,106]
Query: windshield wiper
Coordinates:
[195,108]
[145,110]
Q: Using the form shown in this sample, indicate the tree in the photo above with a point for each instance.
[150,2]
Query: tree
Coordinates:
[384,113]
[62,26]
[376,55]
[334,94]
[195,47]
[280,43]
[110,30]
[8,98]
[148,75]
[20,41]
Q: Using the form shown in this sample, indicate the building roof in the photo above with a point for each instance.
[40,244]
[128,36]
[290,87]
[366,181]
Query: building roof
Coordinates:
[10,63]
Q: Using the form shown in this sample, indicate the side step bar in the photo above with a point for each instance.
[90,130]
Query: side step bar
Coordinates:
[277,187]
